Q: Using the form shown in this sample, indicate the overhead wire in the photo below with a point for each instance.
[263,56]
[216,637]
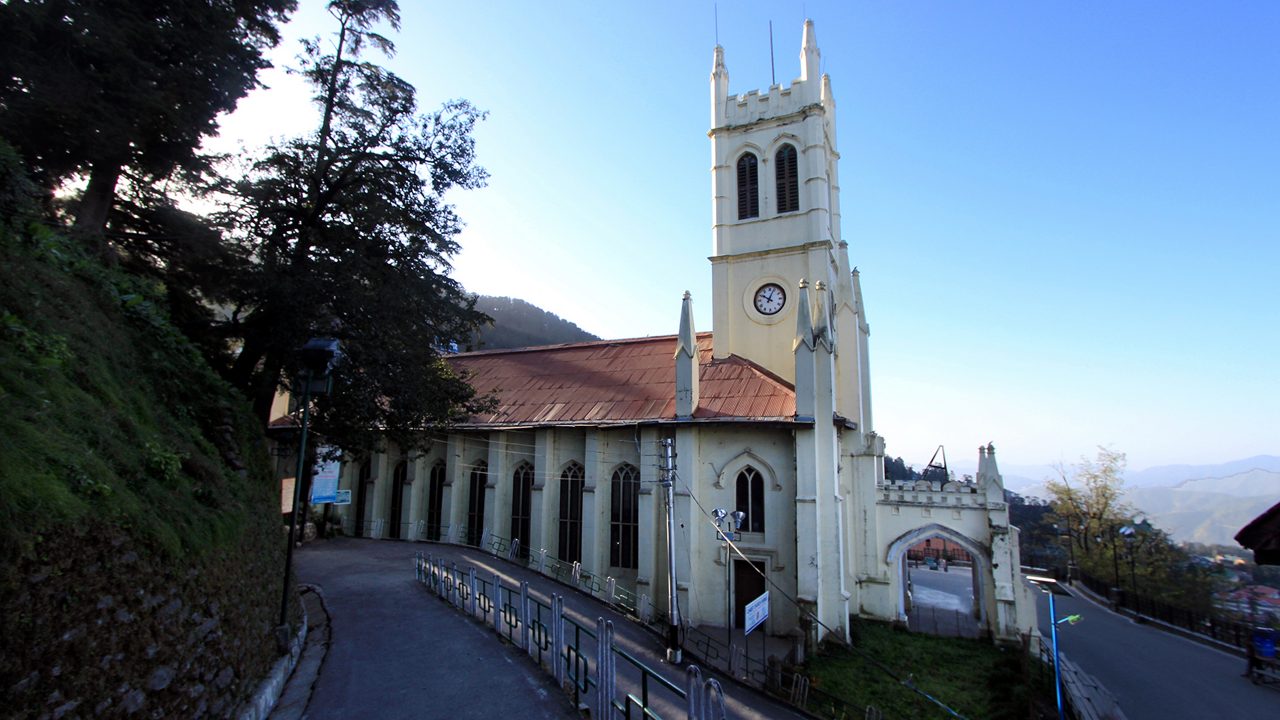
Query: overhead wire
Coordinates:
[907,682]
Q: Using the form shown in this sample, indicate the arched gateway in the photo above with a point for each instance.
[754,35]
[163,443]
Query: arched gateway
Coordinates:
[973,515]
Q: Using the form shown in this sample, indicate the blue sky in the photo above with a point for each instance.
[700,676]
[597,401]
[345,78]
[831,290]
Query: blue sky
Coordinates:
[1066,215]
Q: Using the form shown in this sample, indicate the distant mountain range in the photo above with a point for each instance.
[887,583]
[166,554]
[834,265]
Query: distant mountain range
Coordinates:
[517,323]
[1193,503]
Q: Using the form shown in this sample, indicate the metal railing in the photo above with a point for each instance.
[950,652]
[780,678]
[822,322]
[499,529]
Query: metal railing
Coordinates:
[1215,627]
[575,655]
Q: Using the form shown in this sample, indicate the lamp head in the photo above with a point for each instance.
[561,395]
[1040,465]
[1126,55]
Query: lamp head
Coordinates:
[719,514]
[320,356]
[739,518]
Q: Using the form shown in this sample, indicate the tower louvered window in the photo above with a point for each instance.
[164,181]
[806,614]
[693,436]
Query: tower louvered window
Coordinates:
[784,168]
[748,187]
[624,525]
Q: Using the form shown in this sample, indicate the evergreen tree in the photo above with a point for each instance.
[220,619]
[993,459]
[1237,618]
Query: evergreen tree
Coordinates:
[106,87]
[345,233]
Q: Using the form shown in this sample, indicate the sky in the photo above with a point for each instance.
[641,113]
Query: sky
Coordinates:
[1066,216]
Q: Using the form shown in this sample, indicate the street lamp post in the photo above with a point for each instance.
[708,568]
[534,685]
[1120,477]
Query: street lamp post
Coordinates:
[1115,564]
[1135,536]
[318,356]
[1054,621]
[727,524]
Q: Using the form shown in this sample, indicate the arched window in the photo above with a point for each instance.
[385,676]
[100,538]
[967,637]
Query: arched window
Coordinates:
[475,503]
[748,187]
[399,478]
[435,499]
[624,518]
[363,481]
[521,499]
[784,169]
[751,499]
[571,484]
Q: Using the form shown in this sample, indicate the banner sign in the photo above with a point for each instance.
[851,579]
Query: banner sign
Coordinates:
[324,486]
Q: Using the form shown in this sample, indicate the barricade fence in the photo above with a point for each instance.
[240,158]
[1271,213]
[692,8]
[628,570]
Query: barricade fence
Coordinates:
[712,652]
[580,658]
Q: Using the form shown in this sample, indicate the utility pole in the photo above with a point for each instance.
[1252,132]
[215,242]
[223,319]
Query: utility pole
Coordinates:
[674,654]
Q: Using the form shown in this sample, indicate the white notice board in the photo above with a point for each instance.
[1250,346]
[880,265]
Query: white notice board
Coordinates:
[757,612]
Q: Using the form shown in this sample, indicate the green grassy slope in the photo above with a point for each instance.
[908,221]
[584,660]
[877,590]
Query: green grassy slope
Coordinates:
[138,521]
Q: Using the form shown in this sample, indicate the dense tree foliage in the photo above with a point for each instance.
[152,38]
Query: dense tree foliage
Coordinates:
[344,232]
[1110,540]
[896,469]
[105,87]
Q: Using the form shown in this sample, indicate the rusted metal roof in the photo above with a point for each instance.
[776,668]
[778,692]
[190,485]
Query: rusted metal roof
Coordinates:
[618,382]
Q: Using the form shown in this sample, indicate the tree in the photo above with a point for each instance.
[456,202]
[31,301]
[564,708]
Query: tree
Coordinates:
[105,87]
[1090,514]
[345,233]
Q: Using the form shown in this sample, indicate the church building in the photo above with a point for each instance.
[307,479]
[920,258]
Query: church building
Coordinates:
[769,414]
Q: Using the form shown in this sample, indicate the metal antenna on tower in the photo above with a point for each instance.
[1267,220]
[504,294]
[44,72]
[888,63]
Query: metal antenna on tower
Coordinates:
[773,74]
[715,8]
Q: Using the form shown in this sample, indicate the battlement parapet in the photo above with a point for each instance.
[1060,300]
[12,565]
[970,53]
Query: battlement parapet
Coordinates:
[778,101]
[931,493]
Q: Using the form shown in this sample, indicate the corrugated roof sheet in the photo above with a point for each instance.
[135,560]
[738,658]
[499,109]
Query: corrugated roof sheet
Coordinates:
[618,381]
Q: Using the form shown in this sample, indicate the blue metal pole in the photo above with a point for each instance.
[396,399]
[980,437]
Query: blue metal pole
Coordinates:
[1057,674]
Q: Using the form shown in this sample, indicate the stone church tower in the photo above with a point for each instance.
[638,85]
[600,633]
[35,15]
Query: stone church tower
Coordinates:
[785,298]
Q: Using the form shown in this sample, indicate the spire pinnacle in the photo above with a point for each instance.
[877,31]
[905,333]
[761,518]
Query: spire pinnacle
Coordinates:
[686,362]
[687,341]
[823,331]
[810,56]
[804,319]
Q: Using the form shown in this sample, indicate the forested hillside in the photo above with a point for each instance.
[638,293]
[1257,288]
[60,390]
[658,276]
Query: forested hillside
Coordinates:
[517,323]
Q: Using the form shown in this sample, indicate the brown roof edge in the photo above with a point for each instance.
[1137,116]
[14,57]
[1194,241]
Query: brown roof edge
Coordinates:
[787,421]
[561,346]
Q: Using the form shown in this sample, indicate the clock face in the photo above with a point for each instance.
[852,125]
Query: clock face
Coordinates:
[770,298]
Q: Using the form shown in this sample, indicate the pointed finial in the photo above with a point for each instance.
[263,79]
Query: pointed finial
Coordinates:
[810,57]
[687,341]
[804,319]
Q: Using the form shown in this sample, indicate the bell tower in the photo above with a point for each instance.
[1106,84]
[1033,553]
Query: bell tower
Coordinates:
[776,222]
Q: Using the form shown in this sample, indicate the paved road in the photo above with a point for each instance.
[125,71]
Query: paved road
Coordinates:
[942,602]
[951,590]
[740,703]
[396,652]
[1155,675]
